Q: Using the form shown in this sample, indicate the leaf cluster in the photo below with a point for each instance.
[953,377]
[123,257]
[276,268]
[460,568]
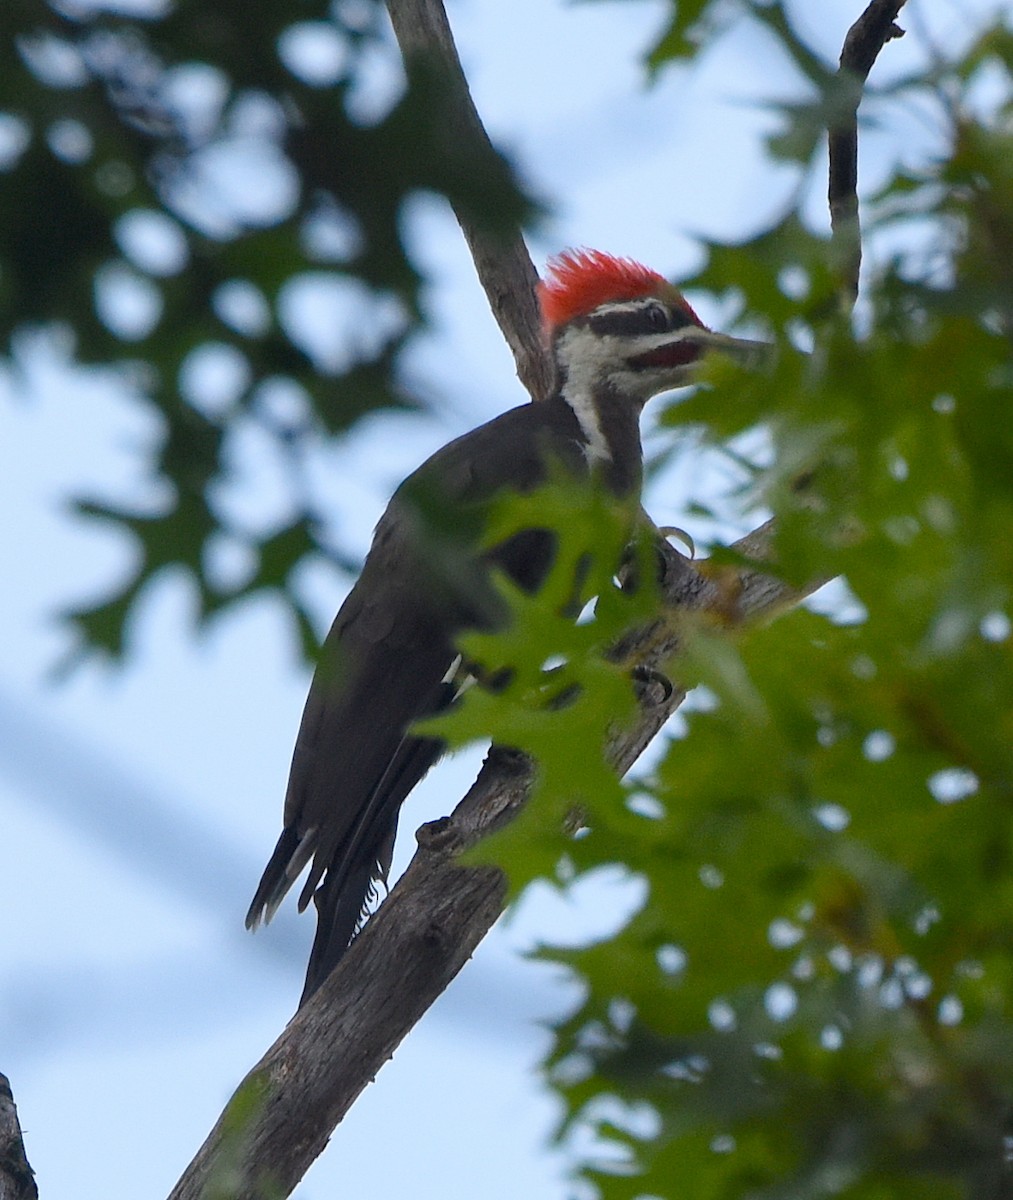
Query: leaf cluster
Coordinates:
[549,686]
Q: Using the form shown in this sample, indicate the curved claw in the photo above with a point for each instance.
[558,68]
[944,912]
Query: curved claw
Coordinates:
[669,531]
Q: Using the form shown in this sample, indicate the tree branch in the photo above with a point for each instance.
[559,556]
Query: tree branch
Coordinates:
[285,1111]
[503,264]
[869,34]
[17,1179]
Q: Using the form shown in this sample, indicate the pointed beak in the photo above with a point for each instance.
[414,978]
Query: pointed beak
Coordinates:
[690,345]
[742,350]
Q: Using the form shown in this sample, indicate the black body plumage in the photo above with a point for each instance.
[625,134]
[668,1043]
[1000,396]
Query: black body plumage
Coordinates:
[385,662]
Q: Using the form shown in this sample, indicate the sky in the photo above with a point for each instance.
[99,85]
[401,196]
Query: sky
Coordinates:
[140,802]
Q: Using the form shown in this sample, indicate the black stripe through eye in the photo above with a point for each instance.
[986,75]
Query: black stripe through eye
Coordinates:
[628,321]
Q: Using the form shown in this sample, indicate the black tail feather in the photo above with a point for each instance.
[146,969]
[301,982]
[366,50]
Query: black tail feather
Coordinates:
[273,883]
[339,914]
[342,898]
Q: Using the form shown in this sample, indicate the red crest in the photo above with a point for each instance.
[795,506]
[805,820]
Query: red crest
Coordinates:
[580,280]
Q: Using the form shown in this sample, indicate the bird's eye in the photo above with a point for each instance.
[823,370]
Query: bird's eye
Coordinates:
[658,317]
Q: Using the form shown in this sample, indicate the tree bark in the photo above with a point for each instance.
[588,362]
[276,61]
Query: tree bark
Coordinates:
[503,264]
[17,1179]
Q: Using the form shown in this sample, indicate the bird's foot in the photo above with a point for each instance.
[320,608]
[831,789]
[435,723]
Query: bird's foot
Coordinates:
[652,688]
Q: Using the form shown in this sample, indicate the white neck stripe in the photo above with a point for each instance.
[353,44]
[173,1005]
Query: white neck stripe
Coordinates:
[582,403]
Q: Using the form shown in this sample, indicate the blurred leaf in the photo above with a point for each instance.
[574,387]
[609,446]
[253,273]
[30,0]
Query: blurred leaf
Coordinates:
[691,23]
[166,119]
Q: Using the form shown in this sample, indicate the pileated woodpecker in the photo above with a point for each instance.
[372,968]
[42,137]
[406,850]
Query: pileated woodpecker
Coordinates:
[620,334]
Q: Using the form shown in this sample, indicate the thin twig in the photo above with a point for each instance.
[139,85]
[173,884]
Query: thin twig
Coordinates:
[869,34]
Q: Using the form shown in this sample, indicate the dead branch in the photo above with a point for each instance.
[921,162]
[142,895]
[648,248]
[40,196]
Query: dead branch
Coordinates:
[17,1179]
[504,266]
[869,34]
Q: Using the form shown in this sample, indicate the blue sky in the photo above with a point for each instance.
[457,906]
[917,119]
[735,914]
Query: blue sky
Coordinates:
[140,803]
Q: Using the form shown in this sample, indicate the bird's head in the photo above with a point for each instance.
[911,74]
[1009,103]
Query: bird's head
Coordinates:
[614,323]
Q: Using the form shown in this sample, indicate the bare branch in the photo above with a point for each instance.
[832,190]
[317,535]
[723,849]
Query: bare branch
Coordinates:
[869,34]
[433,920]
[17,1179]
[503,264]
